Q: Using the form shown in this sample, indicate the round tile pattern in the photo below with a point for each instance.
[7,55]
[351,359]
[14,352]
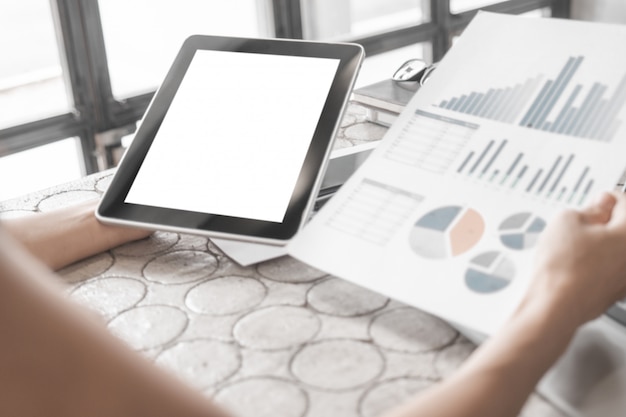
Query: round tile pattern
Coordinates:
[180,267]
[203,363]
[225,295]
[337,364]
[390,394]
[342,298]
[263,397]
[147,327]
[287,269]
[410,330]
[111,295]
[276,328]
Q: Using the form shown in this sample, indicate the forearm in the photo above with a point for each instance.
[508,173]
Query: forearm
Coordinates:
[57,360]
[498,378]
[63,236]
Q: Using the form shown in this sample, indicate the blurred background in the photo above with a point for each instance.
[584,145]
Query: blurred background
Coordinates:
[77,75]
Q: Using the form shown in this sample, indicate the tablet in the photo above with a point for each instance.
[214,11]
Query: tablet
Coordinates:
[236,140]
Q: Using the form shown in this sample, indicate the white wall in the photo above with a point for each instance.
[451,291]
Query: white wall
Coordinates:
[600,10]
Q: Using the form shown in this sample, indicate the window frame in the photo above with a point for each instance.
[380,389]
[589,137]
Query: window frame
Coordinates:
[97,116]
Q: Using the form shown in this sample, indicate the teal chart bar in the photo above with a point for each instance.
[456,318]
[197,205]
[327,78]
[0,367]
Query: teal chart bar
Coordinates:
[554,105]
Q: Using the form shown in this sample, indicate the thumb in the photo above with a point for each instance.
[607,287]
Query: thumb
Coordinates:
[600,210]
[618,215]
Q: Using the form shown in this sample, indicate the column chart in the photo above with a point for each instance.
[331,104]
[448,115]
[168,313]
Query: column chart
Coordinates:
[558,105]
[560,177]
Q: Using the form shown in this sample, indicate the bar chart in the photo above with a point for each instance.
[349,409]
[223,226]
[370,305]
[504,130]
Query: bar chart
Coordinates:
[559,177]
[556,105]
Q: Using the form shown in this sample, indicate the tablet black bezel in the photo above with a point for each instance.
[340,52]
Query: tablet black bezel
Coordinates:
[113,209]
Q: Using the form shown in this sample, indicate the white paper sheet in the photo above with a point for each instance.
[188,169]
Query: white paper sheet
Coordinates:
[522,118]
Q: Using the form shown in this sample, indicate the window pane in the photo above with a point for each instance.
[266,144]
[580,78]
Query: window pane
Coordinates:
[143,36]
[31,82]
[382,66]
[333,19]
[459,6]
[39,168]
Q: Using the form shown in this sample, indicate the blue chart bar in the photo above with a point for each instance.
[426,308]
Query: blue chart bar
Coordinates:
[494,163]
[583,111]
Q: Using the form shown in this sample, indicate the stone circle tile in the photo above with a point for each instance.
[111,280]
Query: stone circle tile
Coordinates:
[110,296]
[263,397]
[225,295]
[348,119]
[202,363]
[188,241]
[337,364]
[181,267]
[365,132]
[410,330]
[66,198]
[155,243]
[103,183]
[389,394]
[451,358]
[147,327]
[88,268]
[287,269]
[265,363]
[334,403]
[278,327]
[342,298]
[410,365]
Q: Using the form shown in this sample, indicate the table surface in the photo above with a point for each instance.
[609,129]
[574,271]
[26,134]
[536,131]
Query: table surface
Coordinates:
[275,339]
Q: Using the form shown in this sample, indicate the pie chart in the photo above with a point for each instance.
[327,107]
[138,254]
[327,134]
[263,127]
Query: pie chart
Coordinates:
[446,232]
[521,231]
[489,272]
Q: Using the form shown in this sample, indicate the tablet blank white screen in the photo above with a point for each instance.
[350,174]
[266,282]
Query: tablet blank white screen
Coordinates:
[236,134]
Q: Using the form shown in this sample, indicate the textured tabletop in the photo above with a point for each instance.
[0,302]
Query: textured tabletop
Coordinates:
[275,339]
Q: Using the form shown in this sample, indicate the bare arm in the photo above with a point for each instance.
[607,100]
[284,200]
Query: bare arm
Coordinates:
[580,272]
[63,236]
[55,360]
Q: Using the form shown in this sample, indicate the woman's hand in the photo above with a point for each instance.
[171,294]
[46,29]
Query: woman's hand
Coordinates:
[66,235]
[581,260]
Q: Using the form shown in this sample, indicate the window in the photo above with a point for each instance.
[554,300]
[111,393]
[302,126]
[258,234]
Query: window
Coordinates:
[87,69]
[142,37]
[31,82]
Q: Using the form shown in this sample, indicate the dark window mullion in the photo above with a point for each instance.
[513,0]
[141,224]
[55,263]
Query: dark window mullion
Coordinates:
[100,80]
[441,17]
[561,8]
[287,19]
[41,132]
[68,19]
[131,109]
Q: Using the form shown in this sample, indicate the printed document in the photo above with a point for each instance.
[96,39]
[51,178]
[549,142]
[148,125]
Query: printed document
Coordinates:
[522,118]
